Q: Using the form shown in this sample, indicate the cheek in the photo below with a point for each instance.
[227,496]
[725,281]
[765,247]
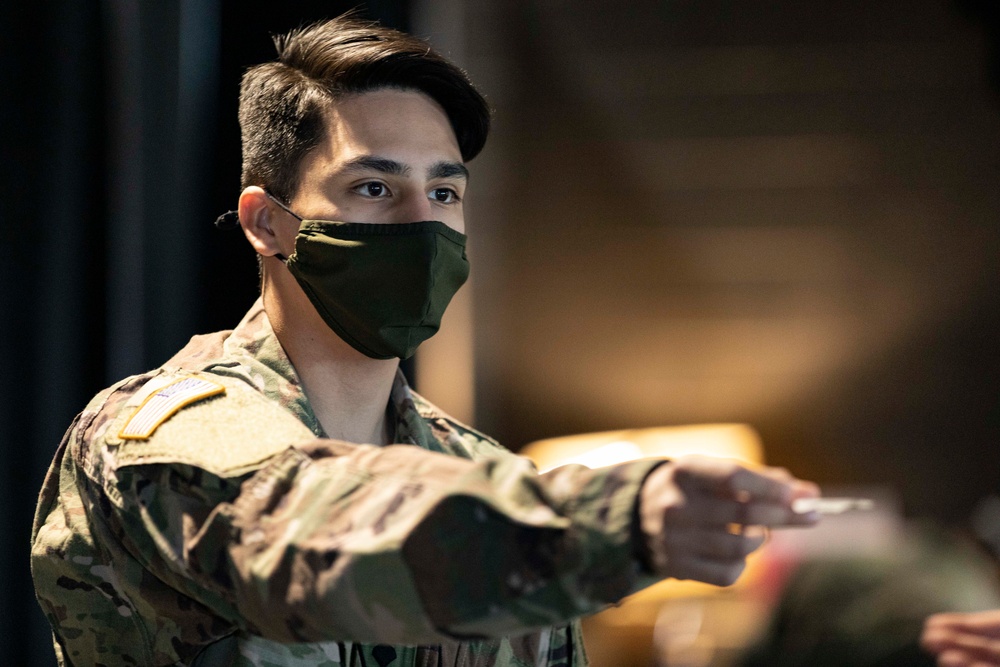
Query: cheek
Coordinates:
[454,219]
[286,238]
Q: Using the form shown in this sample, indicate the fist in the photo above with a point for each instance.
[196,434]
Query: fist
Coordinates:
[701,517]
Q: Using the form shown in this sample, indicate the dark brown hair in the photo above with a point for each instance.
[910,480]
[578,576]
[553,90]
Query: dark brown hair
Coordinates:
[282,102]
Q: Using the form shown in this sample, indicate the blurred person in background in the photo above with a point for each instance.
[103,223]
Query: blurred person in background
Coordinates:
[870,610]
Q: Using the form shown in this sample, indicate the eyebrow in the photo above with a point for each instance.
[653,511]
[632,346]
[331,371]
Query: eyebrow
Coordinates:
[382,165]
[390,167]
[448,170]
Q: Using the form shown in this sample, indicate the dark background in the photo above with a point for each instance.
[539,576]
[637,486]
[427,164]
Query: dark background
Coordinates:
[120,146]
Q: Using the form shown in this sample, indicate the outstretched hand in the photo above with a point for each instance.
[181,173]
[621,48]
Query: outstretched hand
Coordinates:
[964,640]
[700,517]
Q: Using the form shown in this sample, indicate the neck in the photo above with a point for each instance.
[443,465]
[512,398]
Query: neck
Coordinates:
[348,391]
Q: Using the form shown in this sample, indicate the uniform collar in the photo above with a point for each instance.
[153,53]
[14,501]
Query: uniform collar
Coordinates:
[254,344]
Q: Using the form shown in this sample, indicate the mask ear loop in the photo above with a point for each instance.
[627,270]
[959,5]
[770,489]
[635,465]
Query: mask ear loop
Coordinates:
[228,220]
[287,210]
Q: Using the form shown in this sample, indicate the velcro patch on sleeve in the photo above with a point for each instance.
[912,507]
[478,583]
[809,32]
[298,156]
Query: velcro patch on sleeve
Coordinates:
[161,405]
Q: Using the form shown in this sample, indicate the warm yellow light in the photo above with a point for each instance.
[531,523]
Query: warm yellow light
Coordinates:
[627,629]
[594,450]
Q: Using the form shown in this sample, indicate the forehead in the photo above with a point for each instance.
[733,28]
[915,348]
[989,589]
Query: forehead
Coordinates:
[400,124]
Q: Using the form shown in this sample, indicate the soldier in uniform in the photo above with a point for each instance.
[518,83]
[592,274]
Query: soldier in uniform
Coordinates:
[277,495]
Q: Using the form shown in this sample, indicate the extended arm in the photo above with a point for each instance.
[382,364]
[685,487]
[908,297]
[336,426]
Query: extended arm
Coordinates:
[394,544]
[397,544]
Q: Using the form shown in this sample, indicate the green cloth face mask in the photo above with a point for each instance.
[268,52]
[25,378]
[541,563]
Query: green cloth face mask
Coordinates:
[381,287]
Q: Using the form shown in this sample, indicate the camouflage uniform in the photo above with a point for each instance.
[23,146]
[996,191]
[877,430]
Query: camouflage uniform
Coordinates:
[236,534]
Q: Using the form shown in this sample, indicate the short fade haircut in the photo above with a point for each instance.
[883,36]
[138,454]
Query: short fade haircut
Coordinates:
[282,103]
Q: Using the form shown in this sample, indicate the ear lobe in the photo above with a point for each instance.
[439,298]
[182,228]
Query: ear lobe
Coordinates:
[256,221]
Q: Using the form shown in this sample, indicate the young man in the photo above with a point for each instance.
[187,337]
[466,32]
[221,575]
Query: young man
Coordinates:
[276,495]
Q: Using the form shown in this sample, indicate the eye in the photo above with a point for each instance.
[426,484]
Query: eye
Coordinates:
[372,189]
[445,196]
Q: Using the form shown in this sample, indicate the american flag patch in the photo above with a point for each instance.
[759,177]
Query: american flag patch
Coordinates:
[158,407]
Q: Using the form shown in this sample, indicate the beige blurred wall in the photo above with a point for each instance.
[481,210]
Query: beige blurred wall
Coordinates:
[771,212]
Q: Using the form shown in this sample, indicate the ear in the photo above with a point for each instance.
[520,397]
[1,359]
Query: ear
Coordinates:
[257,221]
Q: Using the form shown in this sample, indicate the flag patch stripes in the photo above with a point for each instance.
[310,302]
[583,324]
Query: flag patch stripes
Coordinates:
[161,405]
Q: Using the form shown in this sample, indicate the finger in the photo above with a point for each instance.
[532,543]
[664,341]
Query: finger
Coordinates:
[717,545]
[804,489]
[980,648]
[973,647]
[958,658]
[935,639]
[985,622]
[728,479]
[711,511]
[719,573]
[953,659]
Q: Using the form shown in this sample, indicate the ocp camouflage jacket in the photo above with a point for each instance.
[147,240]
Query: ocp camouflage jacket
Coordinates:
[223,529]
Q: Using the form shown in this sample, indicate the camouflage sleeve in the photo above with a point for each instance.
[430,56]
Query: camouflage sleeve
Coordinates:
[396,544]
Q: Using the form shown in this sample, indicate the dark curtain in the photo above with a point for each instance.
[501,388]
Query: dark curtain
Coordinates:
[120,146]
